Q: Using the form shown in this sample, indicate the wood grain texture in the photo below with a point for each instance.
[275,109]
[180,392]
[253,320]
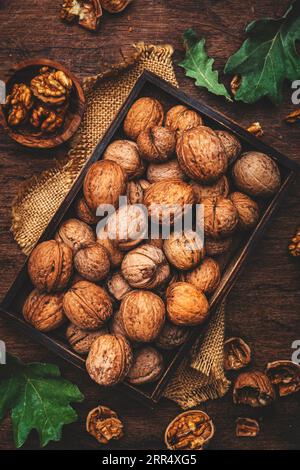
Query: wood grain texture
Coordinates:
[264,305]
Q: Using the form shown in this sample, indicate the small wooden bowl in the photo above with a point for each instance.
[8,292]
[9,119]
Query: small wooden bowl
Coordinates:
[27,136]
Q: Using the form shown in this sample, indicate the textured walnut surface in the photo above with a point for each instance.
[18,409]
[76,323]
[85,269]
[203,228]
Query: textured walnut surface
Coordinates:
[82,340]
[165,171]
[75,233]
[44,311]
[179,118]
[145,112]
[184,250]
[156,143]
[206,276]
[126,154]
[219,188]
[92,262]
[231,145]
[147,366]
[186,305]
[220,217]
[171,336]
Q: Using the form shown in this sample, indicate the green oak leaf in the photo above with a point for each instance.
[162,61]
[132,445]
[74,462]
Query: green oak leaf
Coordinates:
[267,57]
[38,398]
[199,66]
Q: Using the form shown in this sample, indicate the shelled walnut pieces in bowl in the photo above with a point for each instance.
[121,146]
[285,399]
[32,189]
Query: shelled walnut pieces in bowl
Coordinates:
[120,287]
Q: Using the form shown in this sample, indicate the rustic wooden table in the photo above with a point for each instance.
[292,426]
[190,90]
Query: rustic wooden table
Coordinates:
[264,305]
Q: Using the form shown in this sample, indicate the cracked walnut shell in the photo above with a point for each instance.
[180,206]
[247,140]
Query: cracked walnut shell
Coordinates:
[109,359]
[145,112]
[147,366]
[186,305]
[246,427]
[126,154]
[237,354]
[220,217]
[231,145]
[284,375]
[205,277]
[115,6]
[201,154]
[87,305]
[51,87]
[184,250]
[104,183]
[104,424]
[86,12]
[191,430]
[50,266]
[76,234]
[143,315]
[165,171]
[82,340]
[254,389]
[180,118]
[156,144]
[92,262]
[248,210]
[44,311]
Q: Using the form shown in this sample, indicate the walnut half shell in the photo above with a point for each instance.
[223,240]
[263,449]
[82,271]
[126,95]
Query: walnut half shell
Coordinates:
[104,424]
[253,389]
[237,354]
[284,375]
[191,430]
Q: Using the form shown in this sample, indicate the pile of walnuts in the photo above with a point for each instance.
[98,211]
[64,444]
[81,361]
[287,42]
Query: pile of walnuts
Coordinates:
[128,299]
[43,103]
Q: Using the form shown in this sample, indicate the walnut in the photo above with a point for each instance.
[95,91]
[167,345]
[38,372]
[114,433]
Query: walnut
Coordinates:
[217,247]
[171,336]
[127,226]
[115,6]
[205,277]
[231,144]
[19,102]
[184,250]
[87,305]
[115,255]
[82,340]
[109,359]
[92,262]
[116,326]
[294,245]
[142,314]
[201,154]
[248,210]
[104,424]
[256,174]
[246,427]
[284,375]
[145,267]
[168,200]
[253,388]
[135,191]
[118,286]
[84,213]
[104,183]
[86,12]
[51,87]
[165,171]
[126,154]
[219,188]
[156,144]
[220,217]
[50,266]
[180,118]
[191,430]
[44,311]
[145,112]
[147,366]
[237,354]
[76,234]
[46,120]
[186,305]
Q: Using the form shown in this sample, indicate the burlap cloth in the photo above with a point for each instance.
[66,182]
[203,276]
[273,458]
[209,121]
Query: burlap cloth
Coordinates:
[201,374]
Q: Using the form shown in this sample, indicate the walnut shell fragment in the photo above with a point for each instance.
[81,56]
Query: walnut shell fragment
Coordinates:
[145,112]
[44,311]
[82,340]
[115,6]
[104,424]
[254,389]
[285,376]
[147,366]
[247,427]
[237,354]
[191,430]
[87,13]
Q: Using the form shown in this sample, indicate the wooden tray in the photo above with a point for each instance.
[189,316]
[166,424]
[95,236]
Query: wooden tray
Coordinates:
[151,85]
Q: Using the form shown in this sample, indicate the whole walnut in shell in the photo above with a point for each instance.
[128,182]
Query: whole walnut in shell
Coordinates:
[180,118]
[92,262]
[168,200]
[109,359]
[205,277]
[84,213]
[217,247]
[44,311]
[115,6]
[116,326]
[165,171]
[104,183]
[145,112]
[186,305]
[117,286]
[219,188]
[248,210]
[142,314]
[82,340]
[145,267]
[220,217]
[171,336]
[156,144]
[147,366]
[135,191]
[184,250]
[201,154]
[75,233]
[50,266]
[256,174]
[126,154]
[87,305]
[115,254]
[231,144]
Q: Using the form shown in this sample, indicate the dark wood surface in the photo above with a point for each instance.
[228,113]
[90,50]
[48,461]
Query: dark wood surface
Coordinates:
[264,305]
